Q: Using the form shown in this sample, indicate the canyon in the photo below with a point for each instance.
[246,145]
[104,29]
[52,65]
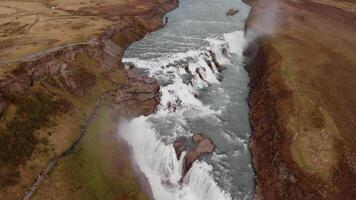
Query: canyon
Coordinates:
[64,87]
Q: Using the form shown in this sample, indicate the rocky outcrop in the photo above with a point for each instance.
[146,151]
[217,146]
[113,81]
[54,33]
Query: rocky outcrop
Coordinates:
[139,96]
[67,69]
[215,61]
[179,147]
[201,145]
[105,51]
[231,12]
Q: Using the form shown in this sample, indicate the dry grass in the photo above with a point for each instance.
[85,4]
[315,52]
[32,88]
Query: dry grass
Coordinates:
[126,5]
[344,5]
[319,67]
[32,26]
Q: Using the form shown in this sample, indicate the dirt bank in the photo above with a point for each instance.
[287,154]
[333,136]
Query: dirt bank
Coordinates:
[303,99]
[45,98]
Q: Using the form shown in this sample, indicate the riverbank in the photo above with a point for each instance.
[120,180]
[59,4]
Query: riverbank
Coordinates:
[71,79]
[302,99]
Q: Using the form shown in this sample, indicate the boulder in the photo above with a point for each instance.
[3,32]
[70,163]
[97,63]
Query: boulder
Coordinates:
[202,145]
[231,12]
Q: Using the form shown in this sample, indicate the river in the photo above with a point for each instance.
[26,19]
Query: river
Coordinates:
[195,98]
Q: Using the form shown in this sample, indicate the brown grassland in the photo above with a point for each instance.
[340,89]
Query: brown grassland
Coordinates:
[310,64]
[45,99]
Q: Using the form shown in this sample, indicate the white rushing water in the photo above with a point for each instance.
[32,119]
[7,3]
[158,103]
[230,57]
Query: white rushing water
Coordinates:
[194,99]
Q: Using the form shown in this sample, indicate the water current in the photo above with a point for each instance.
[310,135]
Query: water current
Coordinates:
[197,97]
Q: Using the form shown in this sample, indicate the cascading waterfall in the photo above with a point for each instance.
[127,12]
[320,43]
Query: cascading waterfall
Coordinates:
[187,58]
[183,74]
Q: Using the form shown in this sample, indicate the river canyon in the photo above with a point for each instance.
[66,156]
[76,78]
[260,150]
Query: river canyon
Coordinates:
[198,61]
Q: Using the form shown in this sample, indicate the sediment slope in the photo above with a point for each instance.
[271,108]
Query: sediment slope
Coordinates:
[303,101]
[48,92]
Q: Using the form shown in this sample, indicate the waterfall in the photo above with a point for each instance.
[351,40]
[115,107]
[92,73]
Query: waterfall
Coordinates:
[182,76]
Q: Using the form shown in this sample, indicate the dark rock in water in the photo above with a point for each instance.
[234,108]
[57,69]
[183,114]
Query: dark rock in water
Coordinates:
[200,71]
[179,146]
[129,65]
[215,61]
[231,12]
[202,145]
[209,64]
[225,52]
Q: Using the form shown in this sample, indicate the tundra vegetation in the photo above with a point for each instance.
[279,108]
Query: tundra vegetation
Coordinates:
[303,99]
[51,75]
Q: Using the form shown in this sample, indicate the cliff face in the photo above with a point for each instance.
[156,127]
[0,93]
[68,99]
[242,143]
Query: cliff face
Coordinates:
[302,99]
[46,97]
[278,176]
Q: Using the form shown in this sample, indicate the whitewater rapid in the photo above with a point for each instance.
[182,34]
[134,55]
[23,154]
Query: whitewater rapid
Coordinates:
[195,96]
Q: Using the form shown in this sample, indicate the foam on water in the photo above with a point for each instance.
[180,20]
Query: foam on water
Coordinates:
[182,76]
[236,41]
[158,161]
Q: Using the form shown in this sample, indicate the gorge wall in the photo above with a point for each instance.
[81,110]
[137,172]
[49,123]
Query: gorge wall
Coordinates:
[46,97]
[302,98]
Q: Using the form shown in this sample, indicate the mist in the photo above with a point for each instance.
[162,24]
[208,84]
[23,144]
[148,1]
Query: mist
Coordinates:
[263,19]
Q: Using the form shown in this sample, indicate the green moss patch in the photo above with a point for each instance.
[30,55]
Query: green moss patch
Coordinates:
[92,168]
[98,169]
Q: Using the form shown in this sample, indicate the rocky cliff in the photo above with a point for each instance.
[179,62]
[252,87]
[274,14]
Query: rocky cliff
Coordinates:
[46,97]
